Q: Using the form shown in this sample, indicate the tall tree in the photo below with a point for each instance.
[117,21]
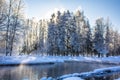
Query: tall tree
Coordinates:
[108,37]
[8,26]
[14,23]
[99,40]
[51,35]
[89,43]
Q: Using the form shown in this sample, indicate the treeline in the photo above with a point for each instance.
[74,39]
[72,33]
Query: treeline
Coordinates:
[70,34]
[65,34]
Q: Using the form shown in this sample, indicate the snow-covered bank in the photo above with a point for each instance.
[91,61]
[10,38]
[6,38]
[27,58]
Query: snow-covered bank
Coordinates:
[111,73]
[16,60]
[73,78]
[11,60]
[103,73]
[111,59]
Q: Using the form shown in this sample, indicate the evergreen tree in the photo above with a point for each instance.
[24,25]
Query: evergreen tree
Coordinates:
[89,44]
[99,37]
[51,36]
[108,37]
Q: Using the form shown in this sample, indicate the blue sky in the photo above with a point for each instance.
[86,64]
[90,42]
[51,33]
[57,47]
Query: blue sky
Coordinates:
[93,9]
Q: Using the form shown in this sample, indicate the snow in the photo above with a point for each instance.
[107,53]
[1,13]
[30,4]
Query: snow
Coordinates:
[29,59]
[95,73]
[113,69]
[73,78]
[8,60]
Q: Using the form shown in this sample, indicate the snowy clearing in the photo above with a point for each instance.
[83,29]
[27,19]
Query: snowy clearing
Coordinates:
[11,60]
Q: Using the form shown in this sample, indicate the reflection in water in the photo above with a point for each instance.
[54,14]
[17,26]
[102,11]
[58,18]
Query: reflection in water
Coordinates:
[35,72]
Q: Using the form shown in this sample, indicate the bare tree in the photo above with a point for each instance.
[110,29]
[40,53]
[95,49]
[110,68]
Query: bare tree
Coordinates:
[15,27]
[8,25]
[13,22]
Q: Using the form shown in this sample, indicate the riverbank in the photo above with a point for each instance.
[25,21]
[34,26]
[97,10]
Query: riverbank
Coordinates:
[110,73]
[17,60]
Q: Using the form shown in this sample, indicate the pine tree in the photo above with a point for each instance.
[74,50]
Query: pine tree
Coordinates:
[78,30]
[61,33]
[51,36]
[89,45]
[99,37]
[108,37]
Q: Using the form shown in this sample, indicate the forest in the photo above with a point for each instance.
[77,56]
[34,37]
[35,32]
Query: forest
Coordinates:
[66,33]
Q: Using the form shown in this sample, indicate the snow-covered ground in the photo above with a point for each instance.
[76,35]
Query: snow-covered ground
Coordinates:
[96,73]
[68,78]
[92,75]
[11,60]
[6,60]
[73,78]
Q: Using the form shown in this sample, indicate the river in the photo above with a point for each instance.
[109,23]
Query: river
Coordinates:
[35,72]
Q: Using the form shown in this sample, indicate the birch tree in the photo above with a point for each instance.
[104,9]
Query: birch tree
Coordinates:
[13,24]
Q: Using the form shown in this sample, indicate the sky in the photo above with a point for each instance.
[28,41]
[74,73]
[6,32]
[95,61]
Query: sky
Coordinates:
[93,9]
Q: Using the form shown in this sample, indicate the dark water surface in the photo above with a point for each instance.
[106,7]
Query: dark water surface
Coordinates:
[35,72]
